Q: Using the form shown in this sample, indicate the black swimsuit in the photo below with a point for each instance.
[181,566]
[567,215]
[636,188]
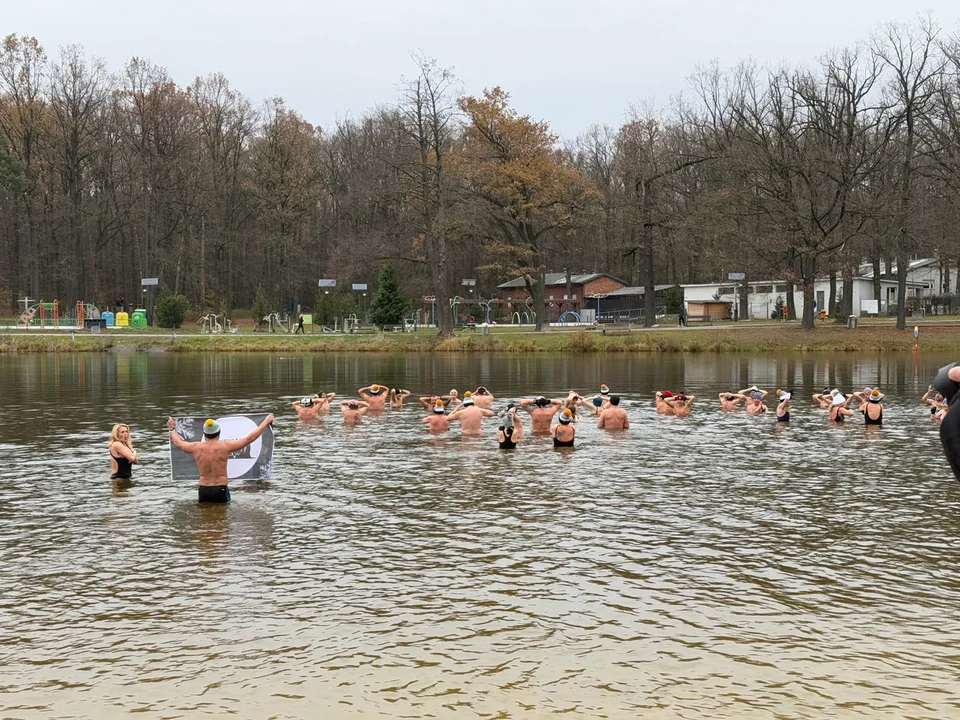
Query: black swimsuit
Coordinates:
[562,443]
[867,420]
[124,468]
[213,493]
[839,416]
[507,443]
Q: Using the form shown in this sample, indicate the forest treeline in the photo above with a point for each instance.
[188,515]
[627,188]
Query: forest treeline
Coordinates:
[786,173]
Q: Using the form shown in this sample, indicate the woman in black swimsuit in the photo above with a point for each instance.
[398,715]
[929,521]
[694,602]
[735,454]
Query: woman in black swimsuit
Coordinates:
[563,432]
[871,408]
[122,455]
[840,410]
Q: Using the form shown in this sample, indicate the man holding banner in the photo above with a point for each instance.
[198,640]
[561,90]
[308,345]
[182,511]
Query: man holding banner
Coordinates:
[211,456]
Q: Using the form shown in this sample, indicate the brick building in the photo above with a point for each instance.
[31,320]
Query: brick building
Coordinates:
[514,294]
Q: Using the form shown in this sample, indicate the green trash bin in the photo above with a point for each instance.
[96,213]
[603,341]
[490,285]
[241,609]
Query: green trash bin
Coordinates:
[139,318]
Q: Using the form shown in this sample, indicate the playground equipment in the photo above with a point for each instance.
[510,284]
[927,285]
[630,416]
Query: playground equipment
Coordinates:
[51,314]
[351,323]
[569,312]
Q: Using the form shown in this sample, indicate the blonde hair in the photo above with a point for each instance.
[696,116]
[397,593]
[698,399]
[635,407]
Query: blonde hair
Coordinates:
[115,434]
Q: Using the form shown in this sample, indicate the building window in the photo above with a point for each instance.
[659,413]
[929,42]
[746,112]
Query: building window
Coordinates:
[725,291]
[764,289]
[781,288]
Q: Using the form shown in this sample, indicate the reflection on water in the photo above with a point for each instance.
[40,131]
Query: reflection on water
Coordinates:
[718,566]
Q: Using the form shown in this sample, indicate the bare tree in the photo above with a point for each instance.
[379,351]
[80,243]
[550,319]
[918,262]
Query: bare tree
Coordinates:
[912,57]
[428,113]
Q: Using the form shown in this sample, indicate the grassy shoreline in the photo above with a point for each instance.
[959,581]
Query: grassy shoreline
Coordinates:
[782,337]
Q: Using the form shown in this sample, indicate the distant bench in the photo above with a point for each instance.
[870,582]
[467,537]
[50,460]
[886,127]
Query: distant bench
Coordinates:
[616,329]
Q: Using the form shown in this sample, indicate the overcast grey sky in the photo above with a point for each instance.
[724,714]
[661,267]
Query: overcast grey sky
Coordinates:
[570,63]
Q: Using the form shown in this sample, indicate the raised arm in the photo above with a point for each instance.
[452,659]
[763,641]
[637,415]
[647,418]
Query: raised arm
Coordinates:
[926,396]
[234,445]
[486,412]
[177,440]
[751,389]
[428,402]
[690,399]
[405,393]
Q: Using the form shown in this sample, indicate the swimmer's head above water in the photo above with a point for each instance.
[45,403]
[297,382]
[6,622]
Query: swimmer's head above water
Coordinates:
[468,398]
[604,390]
[306,401]
[566,416]
[541,402]
[438,407]
[211,429]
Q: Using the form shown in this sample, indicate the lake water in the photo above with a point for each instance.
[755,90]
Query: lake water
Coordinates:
[718,566]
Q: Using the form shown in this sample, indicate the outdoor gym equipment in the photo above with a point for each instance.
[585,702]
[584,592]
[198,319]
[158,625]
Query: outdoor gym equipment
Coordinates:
[273,321]
[209,324]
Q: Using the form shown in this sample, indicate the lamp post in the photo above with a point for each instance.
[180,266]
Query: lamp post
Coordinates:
[469,284]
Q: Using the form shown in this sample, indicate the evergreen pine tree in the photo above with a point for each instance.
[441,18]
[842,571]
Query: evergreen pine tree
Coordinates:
[388,307]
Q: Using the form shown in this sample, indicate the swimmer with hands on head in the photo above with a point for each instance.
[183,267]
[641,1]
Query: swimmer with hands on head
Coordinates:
[353,411]
[470,416]
[308,406]
[397,396]
[541,413]
[375,396]
[437,421]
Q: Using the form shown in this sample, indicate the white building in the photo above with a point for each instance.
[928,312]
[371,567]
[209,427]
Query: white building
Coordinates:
[926,272]
[763,295]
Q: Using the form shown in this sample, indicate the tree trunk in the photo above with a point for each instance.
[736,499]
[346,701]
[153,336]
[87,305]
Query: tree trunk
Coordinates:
[538,297]
[847,309]
[649,283]
[832,303]
[902,264]
[876,279]
[808,267]
[745,299]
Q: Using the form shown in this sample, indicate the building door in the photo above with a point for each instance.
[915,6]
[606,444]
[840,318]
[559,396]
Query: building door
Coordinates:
[821,303]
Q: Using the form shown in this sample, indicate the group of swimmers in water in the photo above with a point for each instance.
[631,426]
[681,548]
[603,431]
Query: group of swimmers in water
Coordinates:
[470,411]
[476,405]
